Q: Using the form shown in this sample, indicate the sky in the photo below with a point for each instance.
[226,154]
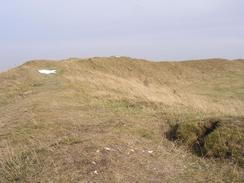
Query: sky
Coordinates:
[155,30]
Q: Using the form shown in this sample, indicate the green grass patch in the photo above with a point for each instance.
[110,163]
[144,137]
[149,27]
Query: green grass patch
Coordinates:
[123,106]
[220,137]
[147,134]
[67,140]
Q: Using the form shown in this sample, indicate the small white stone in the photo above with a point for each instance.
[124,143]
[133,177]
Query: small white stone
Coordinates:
[95,172]
[132,150]
[150,152]
[93,162]
[97,151]
[107,148]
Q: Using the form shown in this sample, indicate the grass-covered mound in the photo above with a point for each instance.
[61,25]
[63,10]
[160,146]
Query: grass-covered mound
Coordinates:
[221,137]
[102,119]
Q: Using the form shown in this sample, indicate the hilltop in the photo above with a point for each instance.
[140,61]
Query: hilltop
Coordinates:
[108,119]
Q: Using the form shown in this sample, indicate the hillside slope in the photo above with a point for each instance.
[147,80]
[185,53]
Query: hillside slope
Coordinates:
[105,119]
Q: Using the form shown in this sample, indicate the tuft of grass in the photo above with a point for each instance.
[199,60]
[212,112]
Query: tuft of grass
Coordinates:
[220,137]
[227,141]
[19,166]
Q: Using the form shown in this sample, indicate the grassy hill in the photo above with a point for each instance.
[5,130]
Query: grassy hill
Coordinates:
[107,120]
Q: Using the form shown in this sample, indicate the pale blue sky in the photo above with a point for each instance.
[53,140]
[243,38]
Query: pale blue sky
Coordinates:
[150,29]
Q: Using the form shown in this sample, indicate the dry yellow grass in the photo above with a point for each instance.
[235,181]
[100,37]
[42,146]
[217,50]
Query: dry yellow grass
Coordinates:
[98,119]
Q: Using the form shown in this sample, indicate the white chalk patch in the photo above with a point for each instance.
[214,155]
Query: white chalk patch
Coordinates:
[150,152]
[47,71]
